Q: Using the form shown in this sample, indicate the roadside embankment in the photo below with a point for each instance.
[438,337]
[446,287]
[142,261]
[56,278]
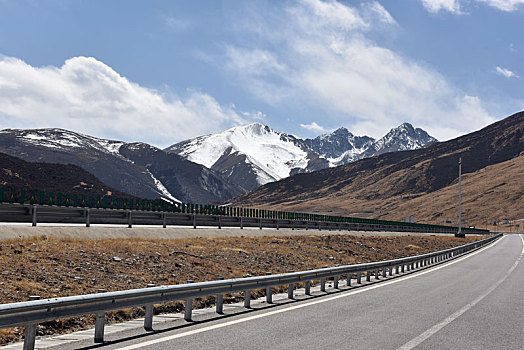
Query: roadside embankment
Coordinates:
[54,264]
[157,232]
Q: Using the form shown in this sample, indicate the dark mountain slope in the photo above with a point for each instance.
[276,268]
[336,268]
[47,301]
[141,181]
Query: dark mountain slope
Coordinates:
[190,181]
[66,178]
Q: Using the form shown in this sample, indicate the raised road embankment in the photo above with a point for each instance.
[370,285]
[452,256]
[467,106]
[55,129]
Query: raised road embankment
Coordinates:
[97,232]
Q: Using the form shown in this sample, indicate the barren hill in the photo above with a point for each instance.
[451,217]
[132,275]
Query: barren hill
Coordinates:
[19,174]
[419,182]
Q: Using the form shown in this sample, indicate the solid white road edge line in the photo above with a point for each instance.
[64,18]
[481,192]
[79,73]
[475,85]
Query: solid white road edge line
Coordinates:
[422,337]
[301,305]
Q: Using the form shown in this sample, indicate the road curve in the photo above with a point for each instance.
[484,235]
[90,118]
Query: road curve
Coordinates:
[474,302]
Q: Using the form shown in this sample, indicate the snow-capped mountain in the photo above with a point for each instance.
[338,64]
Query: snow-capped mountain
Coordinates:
[254,154]
[250,155]
[135,168]
[403,138]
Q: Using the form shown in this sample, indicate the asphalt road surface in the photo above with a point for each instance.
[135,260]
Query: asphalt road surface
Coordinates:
[474,302]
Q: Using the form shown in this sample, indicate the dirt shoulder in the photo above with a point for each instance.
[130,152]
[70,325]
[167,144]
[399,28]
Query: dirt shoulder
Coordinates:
[53,267]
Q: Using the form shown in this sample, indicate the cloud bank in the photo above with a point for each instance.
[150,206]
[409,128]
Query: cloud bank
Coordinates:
[322,54]
[87,95]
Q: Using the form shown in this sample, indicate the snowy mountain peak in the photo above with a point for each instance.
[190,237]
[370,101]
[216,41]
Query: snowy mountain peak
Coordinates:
[402,138]
[64,139]
[254,154]
[260,153]
[254,128]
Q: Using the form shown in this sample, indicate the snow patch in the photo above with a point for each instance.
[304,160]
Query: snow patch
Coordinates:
[160,186]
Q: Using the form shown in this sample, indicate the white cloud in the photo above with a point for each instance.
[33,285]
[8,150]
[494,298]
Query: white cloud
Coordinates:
[379,10]
[313,127]
[504,5]
[333,66]
[454,6]
[435,6]
[505,72]
[253,62]
[88,96]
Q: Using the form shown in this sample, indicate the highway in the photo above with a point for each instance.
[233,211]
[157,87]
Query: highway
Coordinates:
[474,302]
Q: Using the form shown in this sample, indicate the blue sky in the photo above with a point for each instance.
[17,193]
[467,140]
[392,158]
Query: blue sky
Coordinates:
[164,71]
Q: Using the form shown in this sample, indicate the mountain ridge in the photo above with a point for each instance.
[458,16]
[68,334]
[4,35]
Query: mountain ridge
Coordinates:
[254,154]
[124,172]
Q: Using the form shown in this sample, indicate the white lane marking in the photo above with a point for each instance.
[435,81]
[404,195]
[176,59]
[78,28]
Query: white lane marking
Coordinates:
[422,337]
[301,305]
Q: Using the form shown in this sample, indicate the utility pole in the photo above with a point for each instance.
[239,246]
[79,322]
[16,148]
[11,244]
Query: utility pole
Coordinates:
[459,233]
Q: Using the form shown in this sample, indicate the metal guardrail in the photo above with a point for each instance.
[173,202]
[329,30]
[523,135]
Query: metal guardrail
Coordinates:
[54,214]
[30,313]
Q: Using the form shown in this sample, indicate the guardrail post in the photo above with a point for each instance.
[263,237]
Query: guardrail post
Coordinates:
[188,309]
[30,331]
[290,289]
[148,319]
[385,272]
[241,224]
[219,223]
[194,221]
[129,219]
[348,279]
[376,274]
[269,292]
[247,296]
[368,276]
[323,281]
[335,280]
[220,300]
[164,224]
[359,277]
[277,224]
[260,223]
[100,323]
[307,287]
[88,217]
[34,215]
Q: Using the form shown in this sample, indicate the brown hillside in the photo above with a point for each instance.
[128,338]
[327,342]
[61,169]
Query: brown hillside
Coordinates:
[378,185]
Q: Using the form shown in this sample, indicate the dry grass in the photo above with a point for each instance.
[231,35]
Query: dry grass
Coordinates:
[51,267]
[492,193]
